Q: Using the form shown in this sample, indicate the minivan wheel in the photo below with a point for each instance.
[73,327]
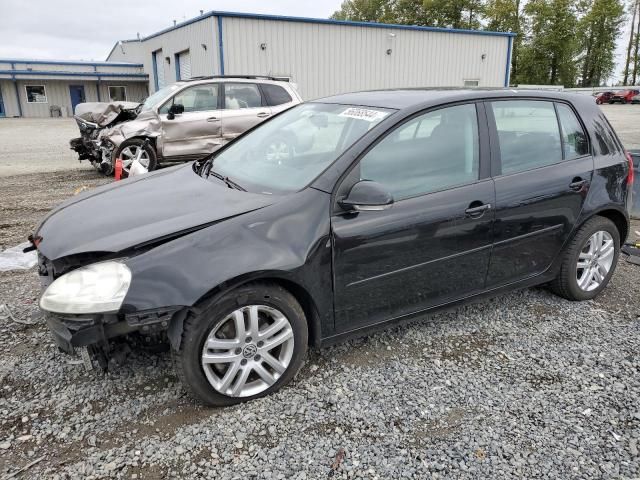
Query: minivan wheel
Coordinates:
[589,261]
[247,344]
[130,149]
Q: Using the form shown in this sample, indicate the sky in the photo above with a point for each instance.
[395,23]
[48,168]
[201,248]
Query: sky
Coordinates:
[88,29]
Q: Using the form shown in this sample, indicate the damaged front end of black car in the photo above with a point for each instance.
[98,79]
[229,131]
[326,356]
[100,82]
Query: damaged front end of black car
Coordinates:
[86,268]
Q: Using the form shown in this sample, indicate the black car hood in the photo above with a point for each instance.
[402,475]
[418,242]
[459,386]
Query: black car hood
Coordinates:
[140,210]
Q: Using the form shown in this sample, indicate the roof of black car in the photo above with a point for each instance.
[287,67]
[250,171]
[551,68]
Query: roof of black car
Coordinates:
[411,97]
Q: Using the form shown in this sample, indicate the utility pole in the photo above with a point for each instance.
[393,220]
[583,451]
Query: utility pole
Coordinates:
[631,42]
[636,60]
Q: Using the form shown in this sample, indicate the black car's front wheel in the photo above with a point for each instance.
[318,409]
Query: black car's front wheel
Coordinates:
[248,344]
[589,261]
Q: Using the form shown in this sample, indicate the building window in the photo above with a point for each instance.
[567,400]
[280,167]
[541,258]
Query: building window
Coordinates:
[36,94]
[471,83]
[117,94]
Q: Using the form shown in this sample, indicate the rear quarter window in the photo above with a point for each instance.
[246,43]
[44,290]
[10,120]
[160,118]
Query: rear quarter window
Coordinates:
[275,94]
[574,140]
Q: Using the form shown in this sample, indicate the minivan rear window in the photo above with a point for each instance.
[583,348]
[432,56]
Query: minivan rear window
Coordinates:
[528,134]
[275,94]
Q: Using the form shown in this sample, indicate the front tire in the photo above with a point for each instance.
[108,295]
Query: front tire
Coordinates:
[130,149]
[589,261]
[247,344]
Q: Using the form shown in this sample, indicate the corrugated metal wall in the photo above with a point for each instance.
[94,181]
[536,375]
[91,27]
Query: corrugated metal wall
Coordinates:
[192,37]
[58,94]
[324,58]
[328,59]
[136,92]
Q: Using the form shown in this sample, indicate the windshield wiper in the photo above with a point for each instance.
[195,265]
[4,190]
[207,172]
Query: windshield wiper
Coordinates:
[230,183]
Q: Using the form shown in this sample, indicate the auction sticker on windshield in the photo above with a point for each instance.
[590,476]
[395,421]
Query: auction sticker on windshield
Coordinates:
[364,114]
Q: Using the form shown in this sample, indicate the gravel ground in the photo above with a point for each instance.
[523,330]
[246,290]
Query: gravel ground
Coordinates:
[526,385]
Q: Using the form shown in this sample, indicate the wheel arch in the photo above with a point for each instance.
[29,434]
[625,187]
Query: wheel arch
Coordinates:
[299,292]
[151,138]
[618,218]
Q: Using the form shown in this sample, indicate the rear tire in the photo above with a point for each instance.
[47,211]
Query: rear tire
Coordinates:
[586,255]
[223,360]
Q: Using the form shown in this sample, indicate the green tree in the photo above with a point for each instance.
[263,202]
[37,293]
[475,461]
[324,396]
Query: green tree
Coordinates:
[548,55]
[436,13]
[506,16]
[598,30]
[366,11]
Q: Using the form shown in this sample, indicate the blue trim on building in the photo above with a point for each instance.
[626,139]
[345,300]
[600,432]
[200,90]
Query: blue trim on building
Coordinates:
[56,62]
[15,84]
[154,62]
[3,113]
[54,73]
[507,72]
[220,45]
[284,18]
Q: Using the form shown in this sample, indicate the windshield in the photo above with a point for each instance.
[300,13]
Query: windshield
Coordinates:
[157,97]
[287,153]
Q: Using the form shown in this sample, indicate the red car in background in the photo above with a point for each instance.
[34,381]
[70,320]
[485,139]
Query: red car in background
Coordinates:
[623,96]
[603,97]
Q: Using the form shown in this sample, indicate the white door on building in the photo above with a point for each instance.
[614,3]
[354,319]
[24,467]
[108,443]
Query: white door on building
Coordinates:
[184,65]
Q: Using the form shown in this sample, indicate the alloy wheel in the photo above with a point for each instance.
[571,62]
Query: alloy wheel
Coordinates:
[595,260]
[131,153]
[248,351]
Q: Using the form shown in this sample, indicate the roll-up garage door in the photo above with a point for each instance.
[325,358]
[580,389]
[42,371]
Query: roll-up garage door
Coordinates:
[158,65]
[184,59]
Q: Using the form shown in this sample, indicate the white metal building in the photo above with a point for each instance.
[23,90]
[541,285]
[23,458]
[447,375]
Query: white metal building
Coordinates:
[42,88]
[323,57]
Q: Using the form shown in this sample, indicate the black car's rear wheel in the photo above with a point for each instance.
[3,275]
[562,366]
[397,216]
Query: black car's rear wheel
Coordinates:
[248,344]
[589,261]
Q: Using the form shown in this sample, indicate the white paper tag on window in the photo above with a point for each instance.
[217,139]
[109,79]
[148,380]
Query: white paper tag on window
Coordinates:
[364,114]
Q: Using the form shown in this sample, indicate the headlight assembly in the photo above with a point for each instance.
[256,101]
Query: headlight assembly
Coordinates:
[97,288]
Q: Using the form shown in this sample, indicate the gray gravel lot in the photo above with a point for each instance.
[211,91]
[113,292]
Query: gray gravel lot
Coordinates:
[526,385]
[33,145]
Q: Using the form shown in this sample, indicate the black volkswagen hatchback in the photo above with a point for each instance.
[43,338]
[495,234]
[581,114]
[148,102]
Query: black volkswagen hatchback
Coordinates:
[375,207]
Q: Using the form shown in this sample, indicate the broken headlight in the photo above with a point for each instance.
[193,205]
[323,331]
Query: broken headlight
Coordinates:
[97,288]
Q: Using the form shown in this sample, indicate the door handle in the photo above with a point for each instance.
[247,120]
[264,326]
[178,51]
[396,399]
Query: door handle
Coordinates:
[213,119]
[577,184]
[263,115]
[477,212]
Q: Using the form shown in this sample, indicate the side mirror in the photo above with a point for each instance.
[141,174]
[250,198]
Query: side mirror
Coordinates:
[175,109]
[367,195]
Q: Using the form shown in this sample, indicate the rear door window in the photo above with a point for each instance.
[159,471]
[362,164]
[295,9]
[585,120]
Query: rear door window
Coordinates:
[574,140]
[528,134]
[275,94]
[241,95]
